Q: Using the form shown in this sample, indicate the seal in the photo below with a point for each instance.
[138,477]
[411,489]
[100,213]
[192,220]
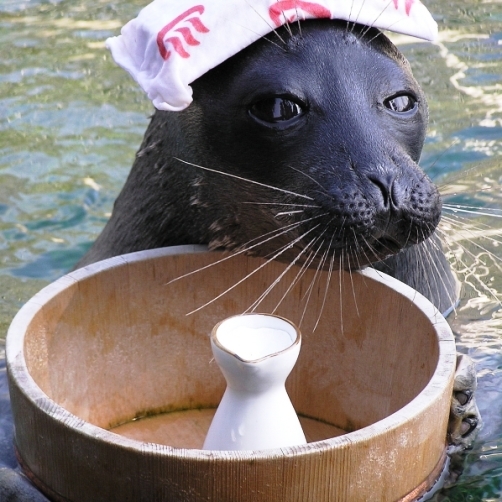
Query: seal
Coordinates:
[303,145]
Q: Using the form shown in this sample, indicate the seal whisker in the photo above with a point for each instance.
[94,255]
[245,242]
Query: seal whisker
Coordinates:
[257,302]
[462,231]
[328,282]
[370,26]
[407,240]
[265,20]
[438,277]
[349,16]
[276,255]
[461,221]
[440,155]
[451,254]
[298,22]
[280,232]
[352,286]
[362,250]
[243,179]
[356,254]
[454,178]
[247,247]
[282,204]
[420,252]
[286,25]
[379,34]
[288,213]
[389,27]
[457,208]
[310,178]
[319,264]
[470,253]
[385,246]
[265,37]
[370,248]
[433,280]
[303,268]
[313,281]
[357,16]
[340,291]
[475,208]
[274,43]
[455,191]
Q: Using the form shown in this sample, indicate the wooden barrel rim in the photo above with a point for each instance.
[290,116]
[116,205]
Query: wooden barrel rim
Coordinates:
[19,372]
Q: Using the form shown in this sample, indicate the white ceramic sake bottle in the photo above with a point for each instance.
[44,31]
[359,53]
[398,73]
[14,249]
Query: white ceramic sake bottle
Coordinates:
[256,353]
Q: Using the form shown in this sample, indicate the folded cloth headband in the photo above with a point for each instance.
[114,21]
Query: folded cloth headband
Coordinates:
[173,42]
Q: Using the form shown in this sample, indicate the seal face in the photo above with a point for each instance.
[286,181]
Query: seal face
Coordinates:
[303,145]
[335,118]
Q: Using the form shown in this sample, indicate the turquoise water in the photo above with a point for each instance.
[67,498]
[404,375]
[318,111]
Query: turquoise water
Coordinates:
[71,121]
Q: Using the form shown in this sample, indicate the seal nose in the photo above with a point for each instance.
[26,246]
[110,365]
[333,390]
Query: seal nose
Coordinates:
[385,183]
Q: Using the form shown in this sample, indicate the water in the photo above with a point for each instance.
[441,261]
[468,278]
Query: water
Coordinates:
[71,121]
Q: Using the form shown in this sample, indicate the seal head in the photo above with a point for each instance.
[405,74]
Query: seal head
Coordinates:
[306,142]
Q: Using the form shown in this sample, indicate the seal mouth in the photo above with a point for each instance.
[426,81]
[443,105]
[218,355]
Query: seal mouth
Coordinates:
[387,246]
[370,252]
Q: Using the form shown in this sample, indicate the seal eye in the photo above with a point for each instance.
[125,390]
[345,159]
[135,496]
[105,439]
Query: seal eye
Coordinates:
[401,104]
[275,110]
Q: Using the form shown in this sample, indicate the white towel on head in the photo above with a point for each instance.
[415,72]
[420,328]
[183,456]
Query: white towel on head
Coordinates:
[173,42]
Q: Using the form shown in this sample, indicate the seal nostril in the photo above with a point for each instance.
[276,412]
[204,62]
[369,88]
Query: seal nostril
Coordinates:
[385,182]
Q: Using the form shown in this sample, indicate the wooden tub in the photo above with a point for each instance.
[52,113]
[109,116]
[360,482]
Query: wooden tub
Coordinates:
[113,385]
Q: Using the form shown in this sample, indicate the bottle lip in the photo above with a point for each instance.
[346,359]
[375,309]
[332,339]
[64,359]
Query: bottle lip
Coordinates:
[215,340]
